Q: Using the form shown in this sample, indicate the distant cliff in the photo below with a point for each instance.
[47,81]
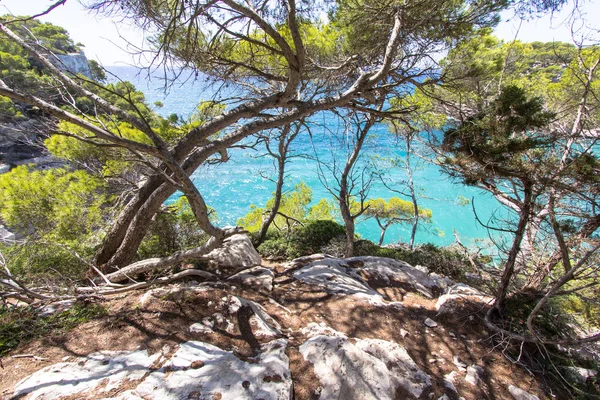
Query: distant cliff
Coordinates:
[76,63]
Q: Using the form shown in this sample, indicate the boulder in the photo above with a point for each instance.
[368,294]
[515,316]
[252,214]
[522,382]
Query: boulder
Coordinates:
[474,374]
[55,308]
[579,375]
[458,295]
[350,276]
[236,253]
[362,369]
[6,235]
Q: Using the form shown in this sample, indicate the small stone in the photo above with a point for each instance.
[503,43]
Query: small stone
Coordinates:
[460,365]
[449,381]
[580,375]
[432,360]
[520,394]
[200,328]
[430,323]
[473,373]
[403,332]
[66,358]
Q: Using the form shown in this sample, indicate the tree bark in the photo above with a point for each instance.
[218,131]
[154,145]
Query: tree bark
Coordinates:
[413,195]
[509,266]
[285,139]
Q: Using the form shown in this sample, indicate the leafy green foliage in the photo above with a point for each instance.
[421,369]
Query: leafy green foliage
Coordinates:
[51,37]
[501,141]
[295,205]
[56,204]
[308,239]
[394,209]
[21,324]
[444,20]
[172,230]
[18,70]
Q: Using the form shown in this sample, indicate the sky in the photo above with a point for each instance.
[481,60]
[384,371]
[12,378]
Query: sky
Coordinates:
[110,41]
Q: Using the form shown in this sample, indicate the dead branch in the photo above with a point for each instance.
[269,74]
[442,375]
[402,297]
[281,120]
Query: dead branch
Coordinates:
[102,290]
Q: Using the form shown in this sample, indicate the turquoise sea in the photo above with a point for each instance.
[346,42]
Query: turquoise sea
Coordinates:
[231,188]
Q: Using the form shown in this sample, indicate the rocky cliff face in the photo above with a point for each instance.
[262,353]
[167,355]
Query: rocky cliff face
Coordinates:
[19,140]
[76,63]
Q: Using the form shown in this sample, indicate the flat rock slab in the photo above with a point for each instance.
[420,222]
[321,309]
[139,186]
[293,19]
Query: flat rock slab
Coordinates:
[103,371]
[335,276]
[520,394]
[394,272]
[200,370]
[197,370]
[362,369]
[349,276]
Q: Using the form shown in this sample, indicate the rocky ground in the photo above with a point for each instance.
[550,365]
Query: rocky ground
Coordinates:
[316,327]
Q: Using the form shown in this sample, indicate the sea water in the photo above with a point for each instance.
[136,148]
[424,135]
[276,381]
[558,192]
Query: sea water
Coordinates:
[232,187]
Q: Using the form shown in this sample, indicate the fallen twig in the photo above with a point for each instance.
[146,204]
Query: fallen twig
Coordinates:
[37,358]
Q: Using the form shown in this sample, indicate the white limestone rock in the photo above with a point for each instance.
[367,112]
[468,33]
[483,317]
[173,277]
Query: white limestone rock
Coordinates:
[474,374]
[196,370]
[108,368]
[55,307]
[364,369]
[448,382]
[206,326]
[201,370]
[430,323]
[398,272]
[520,394]
[449,302]
[334,276]
[579,375]
[237,252]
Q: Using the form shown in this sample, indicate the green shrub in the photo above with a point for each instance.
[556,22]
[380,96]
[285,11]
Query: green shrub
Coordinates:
[172,230]
[45,264]
[311,238]
[23,323]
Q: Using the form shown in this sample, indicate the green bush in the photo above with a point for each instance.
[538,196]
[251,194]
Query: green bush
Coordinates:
[46,264]
[311,238]
[172,230]
[20,324]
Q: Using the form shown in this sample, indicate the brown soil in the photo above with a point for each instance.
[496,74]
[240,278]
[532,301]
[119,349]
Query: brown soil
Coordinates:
[165,320]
